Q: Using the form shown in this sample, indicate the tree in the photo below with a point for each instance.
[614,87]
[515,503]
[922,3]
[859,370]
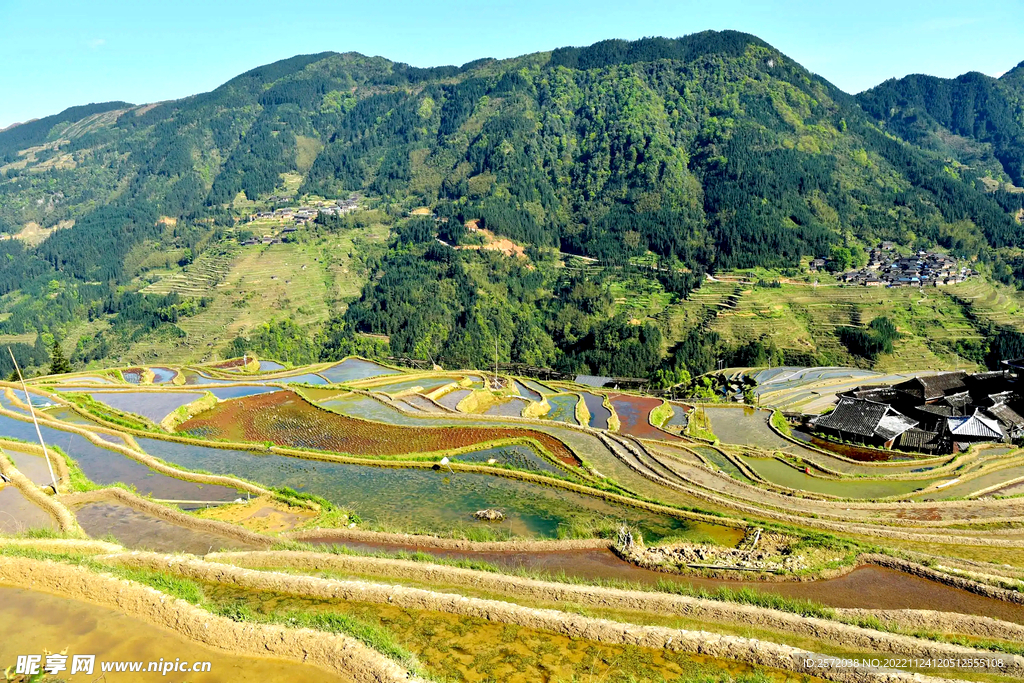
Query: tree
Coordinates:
[59,365]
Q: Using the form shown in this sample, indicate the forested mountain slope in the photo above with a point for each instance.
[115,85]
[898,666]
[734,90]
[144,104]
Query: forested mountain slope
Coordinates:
[701,154]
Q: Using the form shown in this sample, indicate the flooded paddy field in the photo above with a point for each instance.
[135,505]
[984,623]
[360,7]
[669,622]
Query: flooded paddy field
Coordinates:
[286,419]
[32,465]
[355,368]
[140,531]
[866,587]
[103,466]
[152,405]
[18,514]
[563,408]
[433,500]
[423,385]
[778,472]
[452,398]
[270,366]
[163,375]
[513,407]
[634,416]
[54,623]
[227,393]
[595,406]
[526,392]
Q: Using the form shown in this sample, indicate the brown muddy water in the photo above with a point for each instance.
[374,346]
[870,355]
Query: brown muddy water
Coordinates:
[867,587]
[137,530]
[475,650]
[18,514]
[32,621]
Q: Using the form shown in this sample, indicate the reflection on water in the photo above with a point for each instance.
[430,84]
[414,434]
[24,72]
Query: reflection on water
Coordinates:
[867,587]
[137,530]
[163,375]
[32,465]
[226,393]
[513,407]
[18,514]
[598,413]
[270,366]
[103,466]
[53,623]
[778,472]
[153,405]
[634,416]
[413,498]
[517,455]
[526,392]
[355,368]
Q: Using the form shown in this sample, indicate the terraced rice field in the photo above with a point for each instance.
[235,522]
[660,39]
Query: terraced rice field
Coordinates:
[513,407]
[563,408]
[598,413]
[634,416]
[18,514]
[153,406]
[554,499]
[352,369]
[286,419]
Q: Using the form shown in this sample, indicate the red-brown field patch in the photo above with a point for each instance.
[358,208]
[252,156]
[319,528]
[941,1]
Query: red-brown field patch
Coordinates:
[634,416]
[286,419]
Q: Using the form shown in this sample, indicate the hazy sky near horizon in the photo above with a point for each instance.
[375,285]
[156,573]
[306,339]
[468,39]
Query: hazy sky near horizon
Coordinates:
[59,53]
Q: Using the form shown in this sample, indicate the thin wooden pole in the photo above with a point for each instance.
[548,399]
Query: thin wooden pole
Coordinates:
[32,410]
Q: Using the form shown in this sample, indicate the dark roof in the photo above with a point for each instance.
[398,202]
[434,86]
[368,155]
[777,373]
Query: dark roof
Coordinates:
[934,386]
[865,418]
[872,393]
[919,439]
[957,400]
[1007,416]
[935,409]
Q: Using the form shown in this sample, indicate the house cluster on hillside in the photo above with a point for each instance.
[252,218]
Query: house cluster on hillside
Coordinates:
[942,413]
[887,268]
[304,214]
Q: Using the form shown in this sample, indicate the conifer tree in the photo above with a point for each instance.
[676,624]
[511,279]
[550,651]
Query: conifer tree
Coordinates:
[59,365]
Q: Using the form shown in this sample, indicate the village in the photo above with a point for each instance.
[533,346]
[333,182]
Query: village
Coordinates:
[888,268]
[943,413]
[298,215]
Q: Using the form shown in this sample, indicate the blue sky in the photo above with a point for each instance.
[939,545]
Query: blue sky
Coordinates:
[59,53]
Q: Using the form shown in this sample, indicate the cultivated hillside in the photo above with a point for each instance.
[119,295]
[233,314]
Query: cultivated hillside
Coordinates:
[659,160]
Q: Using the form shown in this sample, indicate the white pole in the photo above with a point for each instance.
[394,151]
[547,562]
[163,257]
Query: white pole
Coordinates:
[32,410]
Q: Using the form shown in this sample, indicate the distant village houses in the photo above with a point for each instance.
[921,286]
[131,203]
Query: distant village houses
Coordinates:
[887,268]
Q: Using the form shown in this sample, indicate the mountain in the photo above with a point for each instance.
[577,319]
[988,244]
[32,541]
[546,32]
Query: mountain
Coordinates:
[705,153]
[974,118]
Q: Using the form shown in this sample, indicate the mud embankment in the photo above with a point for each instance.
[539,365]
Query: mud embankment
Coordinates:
[65,520]
[438,543]
[840,634]
[168,514]
[338,654]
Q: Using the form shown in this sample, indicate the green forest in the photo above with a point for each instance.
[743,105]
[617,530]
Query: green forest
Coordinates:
[664,160]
